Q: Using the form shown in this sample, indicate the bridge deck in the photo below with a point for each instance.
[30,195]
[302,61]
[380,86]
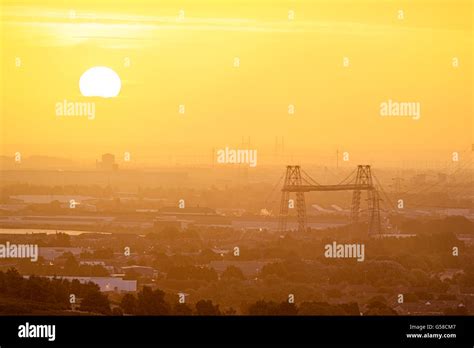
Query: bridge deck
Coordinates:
[308,188]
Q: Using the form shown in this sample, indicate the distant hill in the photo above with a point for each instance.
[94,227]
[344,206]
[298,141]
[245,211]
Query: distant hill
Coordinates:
[36,162]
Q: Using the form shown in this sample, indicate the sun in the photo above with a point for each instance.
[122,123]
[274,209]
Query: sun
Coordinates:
[100,81]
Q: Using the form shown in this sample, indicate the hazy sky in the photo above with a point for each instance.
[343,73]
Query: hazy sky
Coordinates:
[172,53]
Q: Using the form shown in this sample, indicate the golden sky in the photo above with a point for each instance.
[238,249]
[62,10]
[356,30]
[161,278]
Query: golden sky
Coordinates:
[172,53]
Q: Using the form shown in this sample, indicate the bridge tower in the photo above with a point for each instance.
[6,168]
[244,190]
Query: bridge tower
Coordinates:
[292,179]
[364,179]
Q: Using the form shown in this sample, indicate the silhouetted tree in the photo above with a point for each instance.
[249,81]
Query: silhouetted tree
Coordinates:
[96,302]
[263,308]
[152,302]
[206,307]
[182,309]
[129,304]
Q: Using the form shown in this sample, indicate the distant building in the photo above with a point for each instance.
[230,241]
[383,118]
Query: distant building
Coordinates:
[109,283]
[109,268]
[105,283]
[189,217]
[92,262]
[141,270]
[107,163]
